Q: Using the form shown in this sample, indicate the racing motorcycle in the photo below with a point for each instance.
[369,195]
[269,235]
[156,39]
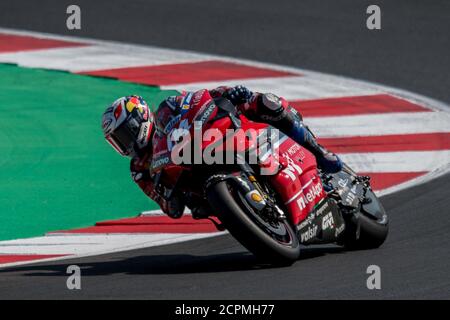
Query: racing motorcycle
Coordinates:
[271,215]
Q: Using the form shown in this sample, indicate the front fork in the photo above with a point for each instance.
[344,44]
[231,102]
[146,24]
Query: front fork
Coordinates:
[246,184]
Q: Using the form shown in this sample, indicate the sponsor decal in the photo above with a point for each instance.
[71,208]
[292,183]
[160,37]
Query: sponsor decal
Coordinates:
[322,209]
[314,192]
[143,134]
[130,106]
[328,221]
[186,102]
[309,219]
[309,234]
[339,230]
[293,149]
[171,123]
[172,102]
[145,115]
[160,152]
[313,214]
[197,96]
[177,133]
[134,103]
[293,170]
[156,163]
[106,125]
[342,182]
[350,197]
[201,110]
[205,115]
[272,118]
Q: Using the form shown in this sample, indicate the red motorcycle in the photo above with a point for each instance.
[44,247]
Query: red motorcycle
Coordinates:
[271,214]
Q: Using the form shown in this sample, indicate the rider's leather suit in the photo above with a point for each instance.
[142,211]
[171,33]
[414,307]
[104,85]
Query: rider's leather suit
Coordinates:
[258,107]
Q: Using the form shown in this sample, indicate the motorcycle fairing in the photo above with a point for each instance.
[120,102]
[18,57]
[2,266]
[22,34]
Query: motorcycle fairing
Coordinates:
[323,224]
[297,180]
[348,188]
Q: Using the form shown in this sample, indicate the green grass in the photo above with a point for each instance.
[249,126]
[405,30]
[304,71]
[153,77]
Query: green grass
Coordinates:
[56,170]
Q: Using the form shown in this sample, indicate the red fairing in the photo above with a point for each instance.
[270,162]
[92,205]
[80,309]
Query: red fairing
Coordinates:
[293,169]
[242,139]
[195,106]
[298,182]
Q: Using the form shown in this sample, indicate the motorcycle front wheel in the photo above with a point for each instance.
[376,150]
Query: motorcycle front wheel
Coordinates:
[276,243]
[373,225]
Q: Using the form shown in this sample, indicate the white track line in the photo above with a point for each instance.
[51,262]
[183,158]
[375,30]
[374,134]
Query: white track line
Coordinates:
[417,98]
[158,212]
[81,244]
[121,246]
[97,57]
[291,88]
[411,161]
[380,124]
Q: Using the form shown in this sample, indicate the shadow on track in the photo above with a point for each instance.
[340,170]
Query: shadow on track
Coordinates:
[164,264]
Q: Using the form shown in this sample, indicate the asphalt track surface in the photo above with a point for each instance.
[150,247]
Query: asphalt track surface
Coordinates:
[410,52]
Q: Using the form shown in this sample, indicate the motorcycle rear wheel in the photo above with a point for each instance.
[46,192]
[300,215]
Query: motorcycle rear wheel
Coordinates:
[279,248]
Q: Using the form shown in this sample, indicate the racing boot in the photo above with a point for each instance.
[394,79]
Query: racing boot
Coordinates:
[174,207]
[277,112]
[327,161]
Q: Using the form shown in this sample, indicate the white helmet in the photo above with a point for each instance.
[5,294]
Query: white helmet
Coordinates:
[128,124]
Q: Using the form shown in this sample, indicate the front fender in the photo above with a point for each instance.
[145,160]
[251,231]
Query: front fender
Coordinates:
[373,208]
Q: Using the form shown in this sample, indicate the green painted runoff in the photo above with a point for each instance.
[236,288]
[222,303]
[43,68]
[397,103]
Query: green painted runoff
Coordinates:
[56,170]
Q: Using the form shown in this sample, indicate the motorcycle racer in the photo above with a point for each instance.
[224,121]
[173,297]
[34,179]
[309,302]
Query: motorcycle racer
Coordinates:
[128,126]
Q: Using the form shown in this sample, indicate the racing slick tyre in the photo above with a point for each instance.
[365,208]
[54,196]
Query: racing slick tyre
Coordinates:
[274,243]
[373,225]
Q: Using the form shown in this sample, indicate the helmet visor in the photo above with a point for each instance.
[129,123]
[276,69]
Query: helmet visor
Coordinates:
[124,137]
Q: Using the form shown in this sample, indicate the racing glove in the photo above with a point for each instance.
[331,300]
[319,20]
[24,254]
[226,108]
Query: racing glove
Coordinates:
[238,95]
